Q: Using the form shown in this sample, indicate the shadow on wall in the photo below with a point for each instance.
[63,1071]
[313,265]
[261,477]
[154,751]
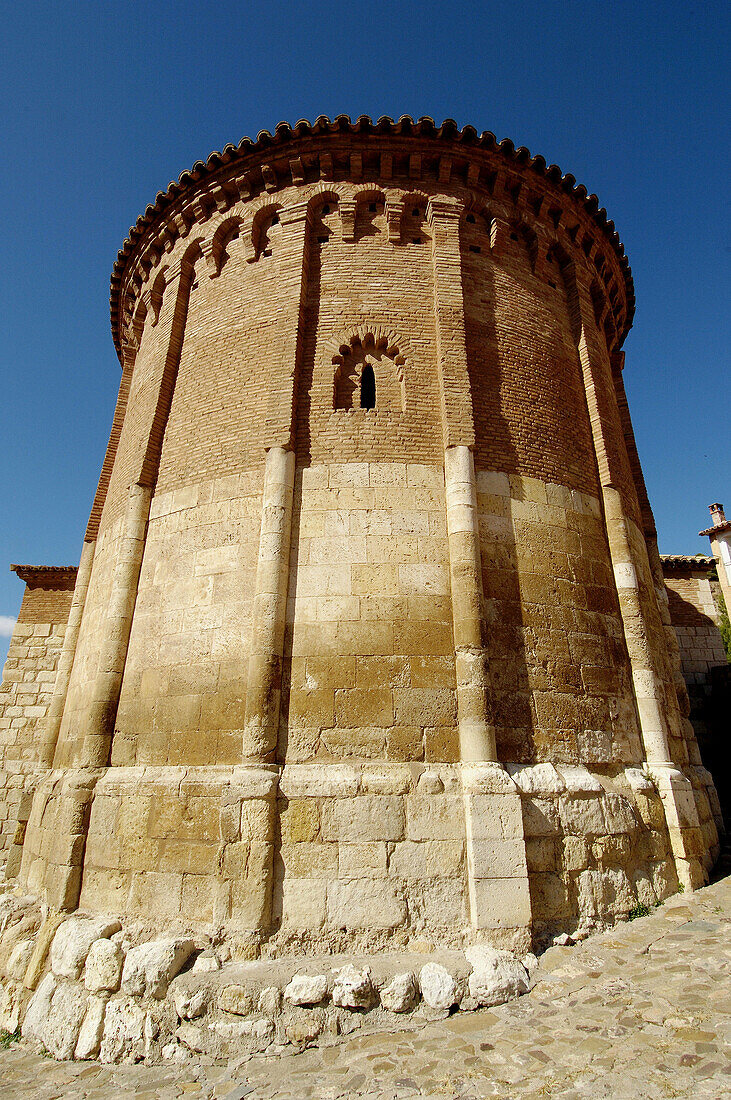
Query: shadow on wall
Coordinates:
[710,703]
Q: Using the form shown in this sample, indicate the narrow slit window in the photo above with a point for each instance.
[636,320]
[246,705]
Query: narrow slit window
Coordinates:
[367,388]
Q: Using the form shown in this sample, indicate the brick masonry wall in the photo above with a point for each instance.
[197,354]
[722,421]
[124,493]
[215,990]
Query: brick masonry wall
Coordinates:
[225,373]
[524,369]
[360,288]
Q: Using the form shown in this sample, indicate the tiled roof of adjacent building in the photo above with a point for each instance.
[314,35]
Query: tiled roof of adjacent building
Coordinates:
[717,529]
[60,576]
[686,561]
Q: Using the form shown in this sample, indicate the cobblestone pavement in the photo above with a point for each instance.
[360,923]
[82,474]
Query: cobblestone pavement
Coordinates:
[643,1011]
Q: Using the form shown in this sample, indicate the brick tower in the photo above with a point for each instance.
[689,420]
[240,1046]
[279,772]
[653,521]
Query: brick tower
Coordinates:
[369,640]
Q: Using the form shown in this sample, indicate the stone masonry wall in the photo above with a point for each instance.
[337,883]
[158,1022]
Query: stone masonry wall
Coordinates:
[559,666]
[369,656]
[184,690]
[86,660]
[25,694]
[694,613]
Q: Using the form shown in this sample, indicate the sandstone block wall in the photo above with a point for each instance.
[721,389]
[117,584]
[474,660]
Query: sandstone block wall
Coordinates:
[369,645]
[694,612]
[25,694]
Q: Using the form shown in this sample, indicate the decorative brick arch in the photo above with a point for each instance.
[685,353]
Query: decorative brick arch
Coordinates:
[229,229]
[377,348]
[260,222]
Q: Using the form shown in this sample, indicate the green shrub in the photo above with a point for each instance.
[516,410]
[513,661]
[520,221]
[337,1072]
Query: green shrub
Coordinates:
[8,1037]
[639,910]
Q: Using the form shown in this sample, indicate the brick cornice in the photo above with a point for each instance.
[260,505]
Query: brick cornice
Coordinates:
[343,149]
[55,577]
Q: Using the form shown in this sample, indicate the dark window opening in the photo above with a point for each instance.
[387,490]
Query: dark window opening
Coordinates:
[275,220]
[322,240]
[367,388]
[513,236]
[325,209]
[415,212]
[372,207]
[416,240]
[475,248]
[471,219]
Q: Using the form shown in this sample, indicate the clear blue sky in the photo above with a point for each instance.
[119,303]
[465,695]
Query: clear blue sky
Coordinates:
[105,102]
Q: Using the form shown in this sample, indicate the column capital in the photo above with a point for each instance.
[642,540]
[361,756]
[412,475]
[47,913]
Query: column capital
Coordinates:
[347,218]
[443,208]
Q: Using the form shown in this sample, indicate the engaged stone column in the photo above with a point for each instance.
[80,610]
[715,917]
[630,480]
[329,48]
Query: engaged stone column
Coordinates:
[52,724]
[499,895]
[247,825]
[476,734]
[674,788]
[118,624]
[263,694]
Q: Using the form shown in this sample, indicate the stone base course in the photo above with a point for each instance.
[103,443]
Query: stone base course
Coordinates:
[368,857]
[640,1010]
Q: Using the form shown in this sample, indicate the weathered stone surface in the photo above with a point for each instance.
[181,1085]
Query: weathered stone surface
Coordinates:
[401,993]
[124,1031]
[305,1028]
[579,780]
[103,970]
[540,779]
[619,814]
[237,999]
[19,959]
[353,988]
[60,1030]
[639,1053]
[365,905]
[240,1029]
[92,1029]
[603,893]
[306,989]
[39,1008]
[270,1001]
[189,1003]
[206,963]
[497,976]
[11,1004]
[149,968]
[194,1037]
[73,940]
[582,816]
[438,987]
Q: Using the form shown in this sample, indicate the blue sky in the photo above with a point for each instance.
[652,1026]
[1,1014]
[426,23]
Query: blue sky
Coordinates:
[104,103]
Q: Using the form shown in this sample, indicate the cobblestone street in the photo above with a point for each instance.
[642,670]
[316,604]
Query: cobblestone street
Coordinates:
[643,1011]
